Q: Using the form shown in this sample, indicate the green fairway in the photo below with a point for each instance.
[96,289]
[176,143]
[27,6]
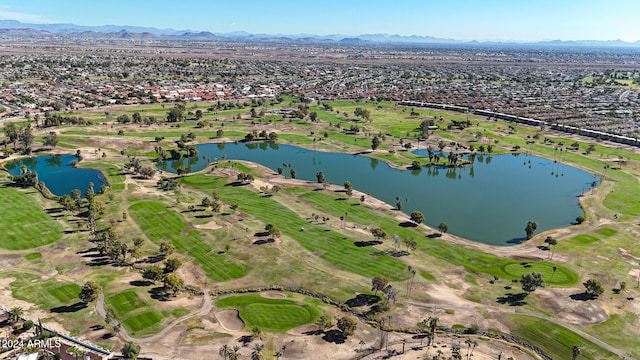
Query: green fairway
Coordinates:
[160,223]
[147,320]
[330,245]
[277,315]
[126,302]
[48,294]
[553,339]
[561,276]
[24,224]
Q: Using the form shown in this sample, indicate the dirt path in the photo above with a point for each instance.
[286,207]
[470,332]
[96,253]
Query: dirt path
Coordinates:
[153,339]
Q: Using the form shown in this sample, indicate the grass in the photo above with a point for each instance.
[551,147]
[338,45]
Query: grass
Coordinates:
[553,339]
[47,294]
[33,256]
[126,302]
[560,277]
[161,223]
[330,245]
[24,224]
[274,315]
[147,320]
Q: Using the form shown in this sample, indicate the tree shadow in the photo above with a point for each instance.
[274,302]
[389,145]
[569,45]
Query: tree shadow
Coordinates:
[141,283]
[159,293]
[264,241]
[362,300]
[512,299]
[367,243]
[583,296]
[69,308]
[101,261]
[434,235]
[154,259]
[261,234]
[97,327]
[203,216]
[517,240]
[406,224]
[107,336]
[334,336]
[245,339]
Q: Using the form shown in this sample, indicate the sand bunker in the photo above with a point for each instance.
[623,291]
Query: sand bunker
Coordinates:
[230,320]
[273,295]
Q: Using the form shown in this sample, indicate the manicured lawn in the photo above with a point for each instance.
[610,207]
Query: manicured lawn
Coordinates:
[560,277]
[24,224]
[584,239]
[126,302]
[329,245]
[160,223]
[145,320]
[553,339]
[47,294]
[276,315]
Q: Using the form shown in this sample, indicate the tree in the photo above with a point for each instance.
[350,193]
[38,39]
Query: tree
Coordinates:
[12,132]
[224,351]
[417,217]
[320,177]
[26,140]
[272,230]
[347,326]
[256,354]
[16,314]
[593,287]
[432,322]
[379,282]
[530,282]
[375,143]
[575,351]
[130,350]
[173,282]
[415,165]
[51,139]
[443,227]
[348,188]
[89,292]
[171,265]
[378,233]
[530,229]
[550,241]
[410,243]
[324,322]
[153,273]
[166,248]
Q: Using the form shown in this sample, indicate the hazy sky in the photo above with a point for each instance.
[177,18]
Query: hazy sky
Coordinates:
[455,19]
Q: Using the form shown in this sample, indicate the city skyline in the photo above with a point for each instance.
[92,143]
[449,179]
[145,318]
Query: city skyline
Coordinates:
[494,20]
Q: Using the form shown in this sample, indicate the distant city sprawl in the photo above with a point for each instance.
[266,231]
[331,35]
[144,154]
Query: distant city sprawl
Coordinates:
[597,90]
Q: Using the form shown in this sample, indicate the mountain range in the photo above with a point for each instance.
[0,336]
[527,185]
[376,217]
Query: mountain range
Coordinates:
[17,29]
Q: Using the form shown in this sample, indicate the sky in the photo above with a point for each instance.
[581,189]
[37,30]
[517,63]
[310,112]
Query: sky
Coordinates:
[519,20]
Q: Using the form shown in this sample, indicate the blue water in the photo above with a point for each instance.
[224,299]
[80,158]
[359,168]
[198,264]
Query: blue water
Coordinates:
[58,174]
[489,202]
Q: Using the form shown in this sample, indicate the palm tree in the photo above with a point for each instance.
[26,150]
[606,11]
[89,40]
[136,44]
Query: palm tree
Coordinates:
[15,313]
[433,323]
[234,353]
[224,351]
[256,354]
[278,355]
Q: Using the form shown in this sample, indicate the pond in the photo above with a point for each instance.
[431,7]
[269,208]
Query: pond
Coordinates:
[489,202]
[58,174]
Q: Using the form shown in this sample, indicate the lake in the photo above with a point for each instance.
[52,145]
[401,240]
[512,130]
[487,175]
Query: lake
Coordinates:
[58,174]
[489,202]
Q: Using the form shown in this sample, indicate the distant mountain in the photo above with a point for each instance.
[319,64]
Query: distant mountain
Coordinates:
[19,29]
[72,28]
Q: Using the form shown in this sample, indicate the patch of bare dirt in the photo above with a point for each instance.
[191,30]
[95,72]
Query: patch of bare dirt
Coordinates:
[303,330]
